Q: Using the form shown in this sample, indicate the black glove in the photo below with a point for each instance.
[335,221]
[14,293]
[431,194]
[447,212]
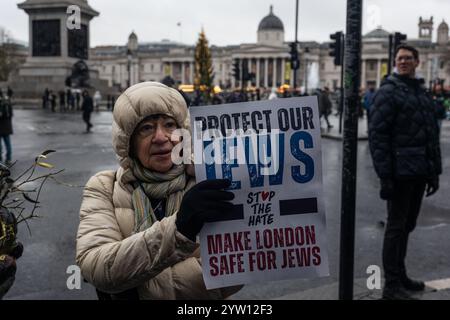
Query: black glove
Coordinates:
[205,202]
[7,273]
[432,186]
[17,250]
[387,189]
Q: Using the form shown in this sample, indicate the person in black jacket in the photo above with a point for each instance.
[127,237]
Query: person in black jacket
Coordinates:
[325,105]
[87,107]
[6,128]
[404,144]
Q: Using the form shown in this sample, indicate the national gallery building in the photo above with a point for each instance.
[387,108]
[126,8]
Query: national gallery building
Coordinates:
[268,59]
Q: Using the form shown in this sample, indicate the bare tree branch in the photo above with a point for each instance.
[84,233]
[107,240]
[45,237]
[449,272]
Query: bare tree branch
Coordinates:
[14,187]
[40,177]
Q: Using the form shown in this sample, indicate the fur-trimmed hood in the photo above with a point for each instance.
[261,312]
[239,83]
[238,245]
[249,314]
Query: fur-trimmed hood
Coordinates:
[139,102]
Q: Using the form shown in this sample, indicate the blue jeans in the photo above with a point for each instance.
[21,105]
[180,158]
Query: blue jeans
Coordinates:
[6,139]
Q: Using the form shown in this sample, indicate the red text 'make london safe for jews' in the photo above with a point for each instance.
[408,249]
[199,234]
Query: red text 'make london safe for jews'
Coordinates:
[228,250]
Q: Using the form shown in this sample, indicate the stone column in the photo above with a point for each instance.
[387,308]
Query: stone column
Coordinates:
[363,74]
[64,39]
[183,73]
[132,73]
[266,72]
[224,67]
[123,74]
[233,80]
[129,76]
[30,33]
[378,72]
[136,71]
[274,77]
[428,66]
[191,72]
[257,72]
[283,70]
[249,68]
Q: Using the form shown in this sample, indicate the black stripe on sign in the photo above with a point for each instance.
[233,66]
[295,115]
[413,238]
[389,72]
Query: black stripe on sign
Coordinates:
[298,206]
[236,214]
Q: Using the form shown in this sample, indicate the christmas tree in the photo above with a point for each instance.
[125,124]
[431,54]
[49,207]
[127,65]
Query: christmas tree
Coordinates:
[204,73]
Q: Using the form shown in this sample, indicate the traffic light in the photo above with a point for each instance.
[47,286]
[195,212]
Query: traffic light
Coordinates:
[236,70]
[294,55]
[336,47]
[398,39]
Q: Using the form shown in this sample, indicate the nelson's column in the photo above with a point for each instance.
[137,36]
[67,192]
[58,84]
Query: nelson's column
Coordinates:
[56,52]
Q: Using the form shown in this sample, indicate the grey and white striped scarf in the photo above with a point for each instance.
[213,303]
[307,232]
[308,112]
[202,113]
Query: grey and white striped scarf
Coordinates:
[170,186]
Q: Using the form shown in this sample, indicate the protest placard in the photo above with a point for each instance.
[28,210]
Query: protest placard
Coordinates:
[271,152]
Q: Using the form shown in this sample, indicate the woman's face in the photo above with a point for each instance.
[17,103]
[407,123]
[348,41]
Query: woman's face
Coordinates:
[152,143]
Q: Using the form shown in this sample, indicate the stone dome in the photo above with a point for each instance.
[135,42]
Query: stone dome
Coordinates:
[133,44]
[271,22]
[443,26]
[378,33]
[132,36]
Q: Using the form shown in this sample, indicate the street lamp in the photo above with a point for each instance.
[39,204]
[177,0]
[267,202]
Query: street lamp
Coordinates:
[129,57]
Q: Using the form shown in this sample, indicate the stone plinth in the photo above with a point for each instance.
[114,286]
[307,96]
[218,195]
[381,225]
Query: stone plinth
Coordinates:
[53,48]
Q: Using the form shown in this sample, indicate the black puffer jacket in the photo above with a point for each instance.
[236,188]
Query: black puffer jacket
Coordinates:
[403,131]
[6,114]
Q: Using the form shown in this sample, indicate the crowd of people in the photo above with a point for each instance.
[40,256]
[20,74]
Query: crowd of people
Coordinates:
[197,98]
[6,127]
[72,100]
[327,99]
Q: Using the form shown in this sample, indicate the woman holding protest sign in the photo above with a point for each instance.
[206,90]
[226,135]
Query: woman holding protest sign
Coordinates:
[138,225]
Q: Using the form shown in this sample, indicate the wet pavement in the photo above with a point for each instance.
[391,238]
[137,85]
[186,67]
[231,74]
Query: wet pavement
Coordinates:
[50,249]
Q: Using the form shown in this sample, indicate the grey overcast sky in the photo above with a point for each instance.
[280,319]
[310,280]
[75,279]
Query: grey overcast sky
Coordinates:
[234,22]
